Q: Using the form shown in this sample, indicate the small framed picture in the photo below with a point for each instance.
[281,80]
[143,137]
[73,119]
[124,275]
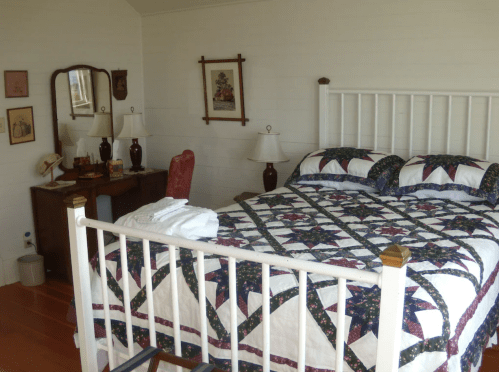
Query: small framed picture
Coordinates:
[21,125]
[223,90]
[16,84]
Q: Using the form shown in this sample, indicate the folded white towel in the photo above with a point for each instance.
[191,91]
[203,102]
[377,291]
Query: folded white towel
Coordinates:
[151,212]
[185,222]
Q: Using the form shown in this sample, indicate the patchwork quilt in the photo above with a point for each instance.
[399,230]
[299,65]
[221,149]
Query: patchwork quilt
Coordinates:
[451,307]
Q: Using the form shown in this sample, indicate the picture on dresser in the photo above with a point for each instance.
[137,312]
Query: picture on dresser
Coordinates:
[21,125]
[223,89]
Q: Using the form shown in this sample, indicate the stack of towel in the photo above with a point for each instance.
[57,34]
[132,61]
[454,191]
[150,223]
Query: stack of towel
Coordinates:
[173,217]
[159,211]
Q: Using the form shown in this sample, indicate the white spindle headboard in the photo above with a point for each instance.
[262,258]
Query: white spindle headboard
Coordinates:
[454,116]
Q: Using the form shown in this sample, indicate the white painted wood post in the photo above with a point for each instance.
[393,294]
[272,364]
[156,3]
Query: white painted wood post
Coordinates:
[81,283]
[323,113]
[393,277]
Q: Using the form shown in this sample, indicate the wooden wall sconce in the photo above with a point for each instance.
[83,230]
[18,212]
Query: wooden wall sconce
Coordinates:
[120,89]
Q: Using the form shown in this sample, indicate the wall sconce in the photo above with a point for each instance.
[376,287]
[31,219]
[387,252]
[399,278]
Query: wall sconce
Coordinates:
[134,129]
[101,127]
[268,150]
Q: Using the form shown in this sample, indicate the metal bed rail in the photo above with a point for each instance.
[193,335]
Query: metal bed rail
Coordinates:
[325,94]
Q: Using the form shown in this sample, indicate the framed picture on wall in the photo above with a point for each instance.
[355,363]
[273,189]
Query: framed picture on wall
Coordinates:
[21,125]
[223,89]
[16,84]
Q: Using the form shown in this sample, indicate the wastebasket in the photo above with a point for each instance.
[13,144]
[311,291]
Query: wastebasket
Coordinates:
[31,270]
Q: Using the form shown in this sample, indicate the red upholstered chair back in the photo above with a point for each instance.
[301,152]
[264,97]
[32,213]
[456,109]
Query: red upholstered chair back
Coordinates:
[180,175]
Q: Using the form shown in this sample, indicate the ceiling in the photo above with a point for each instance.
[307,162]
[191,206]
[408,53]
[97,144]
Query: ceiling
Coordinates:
[164,6]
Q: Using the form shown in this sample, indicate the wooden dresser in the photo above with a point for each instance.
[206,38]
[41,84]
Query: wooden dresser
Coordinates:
[50,216]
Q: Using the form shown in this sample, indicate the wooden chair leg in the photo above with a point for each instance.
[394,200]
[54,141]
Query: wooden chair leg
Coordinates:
[153,366]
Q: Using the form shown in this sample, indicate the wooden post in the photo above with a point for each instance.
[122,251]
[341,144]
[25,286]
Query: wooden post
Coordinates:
[393,278]
[323,113]
[81,283]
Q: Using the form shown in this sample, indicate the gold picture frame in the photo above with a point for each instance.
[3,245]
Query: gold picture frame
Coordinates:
[21,125]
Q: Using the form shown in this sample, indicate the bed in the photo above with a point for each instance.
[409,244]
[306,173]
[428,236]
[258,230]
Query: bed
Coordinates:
[449,294]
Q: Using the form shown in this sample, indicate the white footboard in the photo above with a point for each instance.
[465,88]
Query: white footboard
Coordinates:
[391,280]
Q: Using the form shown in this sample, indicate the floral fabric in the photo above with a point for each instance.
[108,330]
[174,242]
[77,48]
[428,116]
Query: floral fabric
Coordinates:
[328,167]
[180,175]
[475,177]
[451,293]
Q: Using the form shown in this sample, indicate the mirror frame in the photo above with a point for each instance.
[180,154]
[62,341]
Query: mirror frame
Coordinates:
[53,93]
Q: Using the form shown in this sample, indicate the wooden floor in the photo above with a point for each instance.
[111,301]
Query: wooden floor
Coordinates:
[490,361]
[34,333]
[35,336]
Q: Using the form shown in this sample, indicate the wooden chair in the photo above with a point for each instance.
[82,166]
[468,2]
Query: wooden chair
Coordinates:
[156,355]
[180,175]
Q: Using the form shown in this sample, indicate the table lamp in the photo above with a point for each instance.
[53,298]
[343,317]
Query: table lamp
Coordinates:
[134,129]
[47,164]
[268,150]
[101,127]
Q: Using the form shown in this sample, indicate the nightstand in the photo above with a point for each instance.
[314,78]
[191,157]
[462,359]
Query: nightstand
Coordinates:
[245,195]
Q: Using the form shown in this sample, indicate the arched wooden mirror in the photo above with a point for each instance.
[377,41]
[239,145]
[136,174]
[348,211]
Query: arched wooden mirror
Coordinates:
[77,93]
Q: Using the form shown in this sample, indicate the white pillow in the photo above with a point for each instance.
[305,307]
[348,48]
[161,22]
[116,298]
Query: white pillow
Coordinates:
[346,185]
[454,195]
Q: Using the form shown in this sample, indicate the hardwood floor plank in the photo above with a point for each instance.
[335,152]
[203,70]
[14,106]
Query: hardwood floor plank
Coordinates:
[38,303]
[22,348]
[38,322]
[34,333]
[48,291]
[59,286]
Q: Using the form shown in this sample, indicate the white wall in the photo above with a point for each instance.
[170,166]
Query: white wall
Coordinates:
[288,45]
[41,36]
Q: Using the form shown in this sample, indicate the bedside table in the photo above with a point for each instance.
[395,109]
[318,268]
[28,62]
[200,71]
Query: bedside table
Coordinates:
[245,195]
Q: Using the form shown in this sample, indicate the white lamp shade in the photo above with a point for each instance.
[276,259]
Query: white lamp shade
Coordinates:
[133,127]
[268,149]
[101,126]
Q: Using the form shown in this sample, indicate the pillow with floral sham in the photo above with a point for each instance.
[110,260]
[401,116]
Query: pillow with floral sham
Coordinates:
[346,168]
[475,177]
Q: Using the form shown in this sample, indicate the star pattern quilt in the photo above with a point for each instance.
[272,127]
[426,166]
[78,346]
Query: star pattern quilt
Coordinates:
[451,296]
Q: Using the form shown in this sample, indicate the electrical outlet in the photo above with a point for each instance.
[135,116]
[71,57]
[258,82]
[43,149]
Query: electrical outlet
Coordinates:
[27,239]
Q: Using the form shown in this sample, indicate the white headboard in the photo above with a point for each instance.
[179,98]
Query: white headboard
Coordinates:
[444,122]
